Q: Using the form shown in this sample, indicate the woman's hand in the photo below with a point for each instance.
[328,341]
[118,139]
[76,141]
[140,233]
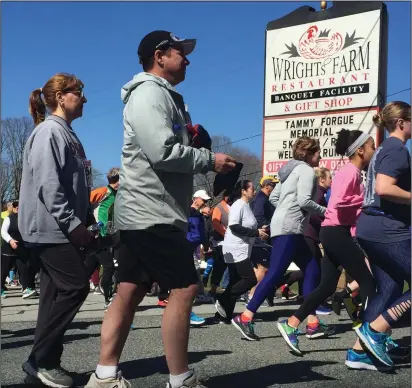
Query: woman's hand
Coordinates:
[13,244]
[262,234]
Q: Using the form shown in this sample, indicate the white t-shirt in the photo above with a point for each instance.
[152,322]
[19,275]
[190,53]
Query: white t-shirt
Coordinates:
[235,248]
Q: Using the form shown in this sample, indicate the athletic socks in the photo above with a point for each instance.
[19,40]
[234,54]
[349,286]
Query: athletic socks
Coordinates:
[177,381]
[106,372]
[244,318]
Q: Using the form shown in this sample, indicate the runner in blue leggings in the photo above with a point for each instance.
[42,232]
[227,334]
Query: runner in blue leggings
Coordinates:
[384,230]
[292,199]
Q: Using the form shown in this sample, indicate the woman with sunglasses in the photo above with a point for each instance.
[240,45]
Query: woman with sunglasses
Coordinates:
[53,215]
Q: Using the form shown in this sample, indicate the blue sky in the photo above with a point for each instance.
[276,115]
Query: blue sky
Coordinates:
[98,41]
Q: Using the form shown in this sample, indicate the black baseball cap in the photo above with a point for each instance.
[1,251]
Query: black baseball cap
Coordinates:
[162,40]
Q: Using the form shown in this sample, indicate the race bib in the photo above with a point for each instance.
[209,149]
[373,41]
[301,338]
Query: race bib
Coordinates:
[88,169]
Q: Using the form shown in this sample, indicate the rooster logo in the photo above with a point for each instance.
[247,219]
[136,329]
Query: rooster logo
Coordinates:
[317,44]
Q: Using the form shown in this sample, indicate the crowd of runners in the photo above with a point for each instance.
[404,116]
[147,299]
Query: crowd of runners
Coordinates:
[150,232]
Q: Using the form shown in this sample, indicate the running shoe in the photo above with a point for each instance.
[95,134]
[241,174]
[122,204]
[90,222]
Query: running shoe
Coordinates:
[355,360]
[111,382]
[195,320]
[13,284]
[190,382]
[56,377]
[397,352]
[218,319]
[97,291]
[337,301]
[133,327]
[264,303]
[290,335]
[29,293]
[219,308]
[375,342]
[246,328]
[162,303]
[243,297]
[107,304]
[3,294]
[323,310]
[321,330]
[287,294]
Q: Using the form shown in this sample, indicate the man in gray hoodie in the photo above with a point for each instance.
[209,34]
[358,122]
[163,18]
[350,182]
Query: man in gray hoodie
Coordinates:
[152,208]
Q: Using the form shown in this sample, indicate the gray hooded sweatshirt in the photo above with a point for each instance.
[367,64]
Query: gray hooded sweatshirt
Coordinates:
[54,192]
[292,198]
[156,178]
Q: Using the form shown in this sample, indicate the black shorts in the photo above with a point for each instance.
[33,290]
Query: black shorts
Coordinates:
[160,254]
[260,256]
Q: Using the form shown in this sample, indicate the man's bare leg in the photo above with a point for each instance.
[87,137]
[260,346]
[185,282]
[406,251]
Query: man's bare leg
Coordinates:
[117,321]
[175,328]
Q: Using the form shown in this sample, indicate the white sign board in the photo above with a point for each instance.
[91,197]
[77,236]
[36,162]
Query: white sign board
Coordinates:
[281,133]
[323,66]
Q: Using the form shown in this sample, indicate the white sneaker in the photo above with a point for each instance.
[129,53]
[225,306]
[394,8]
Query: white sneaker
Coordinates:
[117,382]
[29,292]
[219,308]
[190,382]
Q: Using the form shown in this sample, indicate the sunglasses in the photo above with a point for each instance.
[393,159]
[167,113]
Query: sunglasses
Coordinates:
[77,92]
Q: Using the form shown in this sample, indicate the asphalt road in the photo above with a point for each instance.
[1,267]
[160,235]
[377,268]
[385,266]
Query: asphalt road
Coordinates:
[216,351]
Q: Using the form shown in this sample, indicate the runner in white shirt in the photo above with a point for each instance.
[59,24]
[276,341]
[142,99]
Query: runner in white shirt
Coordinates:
[237,248]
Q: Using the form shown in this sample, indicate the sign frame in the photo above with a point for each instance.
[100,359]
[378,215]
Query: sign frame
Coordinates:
[306,14]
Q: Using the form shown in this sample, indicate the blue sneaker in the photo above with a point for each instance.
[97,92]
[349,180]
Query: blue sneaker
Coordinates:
[323,310]
[363,360]
[3,294]
[196,320]
[290,335]
[375,342]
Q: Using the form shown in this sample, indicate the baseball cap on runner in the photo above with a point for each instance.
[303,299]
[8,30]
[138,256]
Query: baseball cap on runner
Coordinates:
[162,40]
[268,180]
[201,194]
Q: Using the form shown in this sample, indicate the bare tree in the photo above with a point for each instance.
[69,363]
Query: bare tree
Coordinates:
[99,179]
[15,132]
[252,165]
[5,182]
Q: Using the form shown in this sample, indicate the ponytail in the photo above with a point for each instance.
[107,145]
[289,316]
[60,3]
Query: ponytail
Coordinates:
[37,107]
[237,191]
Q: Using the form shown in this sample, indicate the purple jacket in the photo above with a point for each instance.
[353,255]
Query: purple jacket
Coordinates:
[313,228]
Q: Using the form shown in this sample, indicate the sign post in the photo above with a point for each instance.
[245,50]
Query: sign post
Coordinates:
[324,71]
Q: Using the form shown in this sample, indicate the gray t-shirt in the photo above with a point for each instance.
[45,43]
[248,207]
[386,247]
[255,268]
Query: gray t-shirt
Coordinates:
[239,248]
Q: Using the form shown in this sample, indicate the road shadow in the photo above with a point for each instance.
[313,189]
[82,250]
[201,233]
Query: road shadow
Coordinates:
[75,325]
[296,372]
[67,340]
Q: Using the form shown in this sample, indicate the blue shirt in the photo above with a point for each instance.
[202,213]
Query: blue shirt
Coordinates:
[262,209]
[390,221]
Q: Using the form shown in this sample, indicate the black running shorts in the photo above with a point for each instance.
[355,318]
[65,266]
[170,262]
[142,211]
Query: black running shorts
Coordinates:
[260,256]
[159,254]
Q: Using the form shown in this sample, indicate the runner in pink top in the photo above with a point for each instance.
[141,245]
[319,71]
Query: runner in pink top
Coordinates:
[340,249]
[344,205]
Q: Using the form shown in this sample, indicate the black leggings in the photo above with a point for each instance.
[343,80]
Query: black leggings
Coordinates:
[103,257]
[219,267]
[242,278]
[340,250]
[27,271]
